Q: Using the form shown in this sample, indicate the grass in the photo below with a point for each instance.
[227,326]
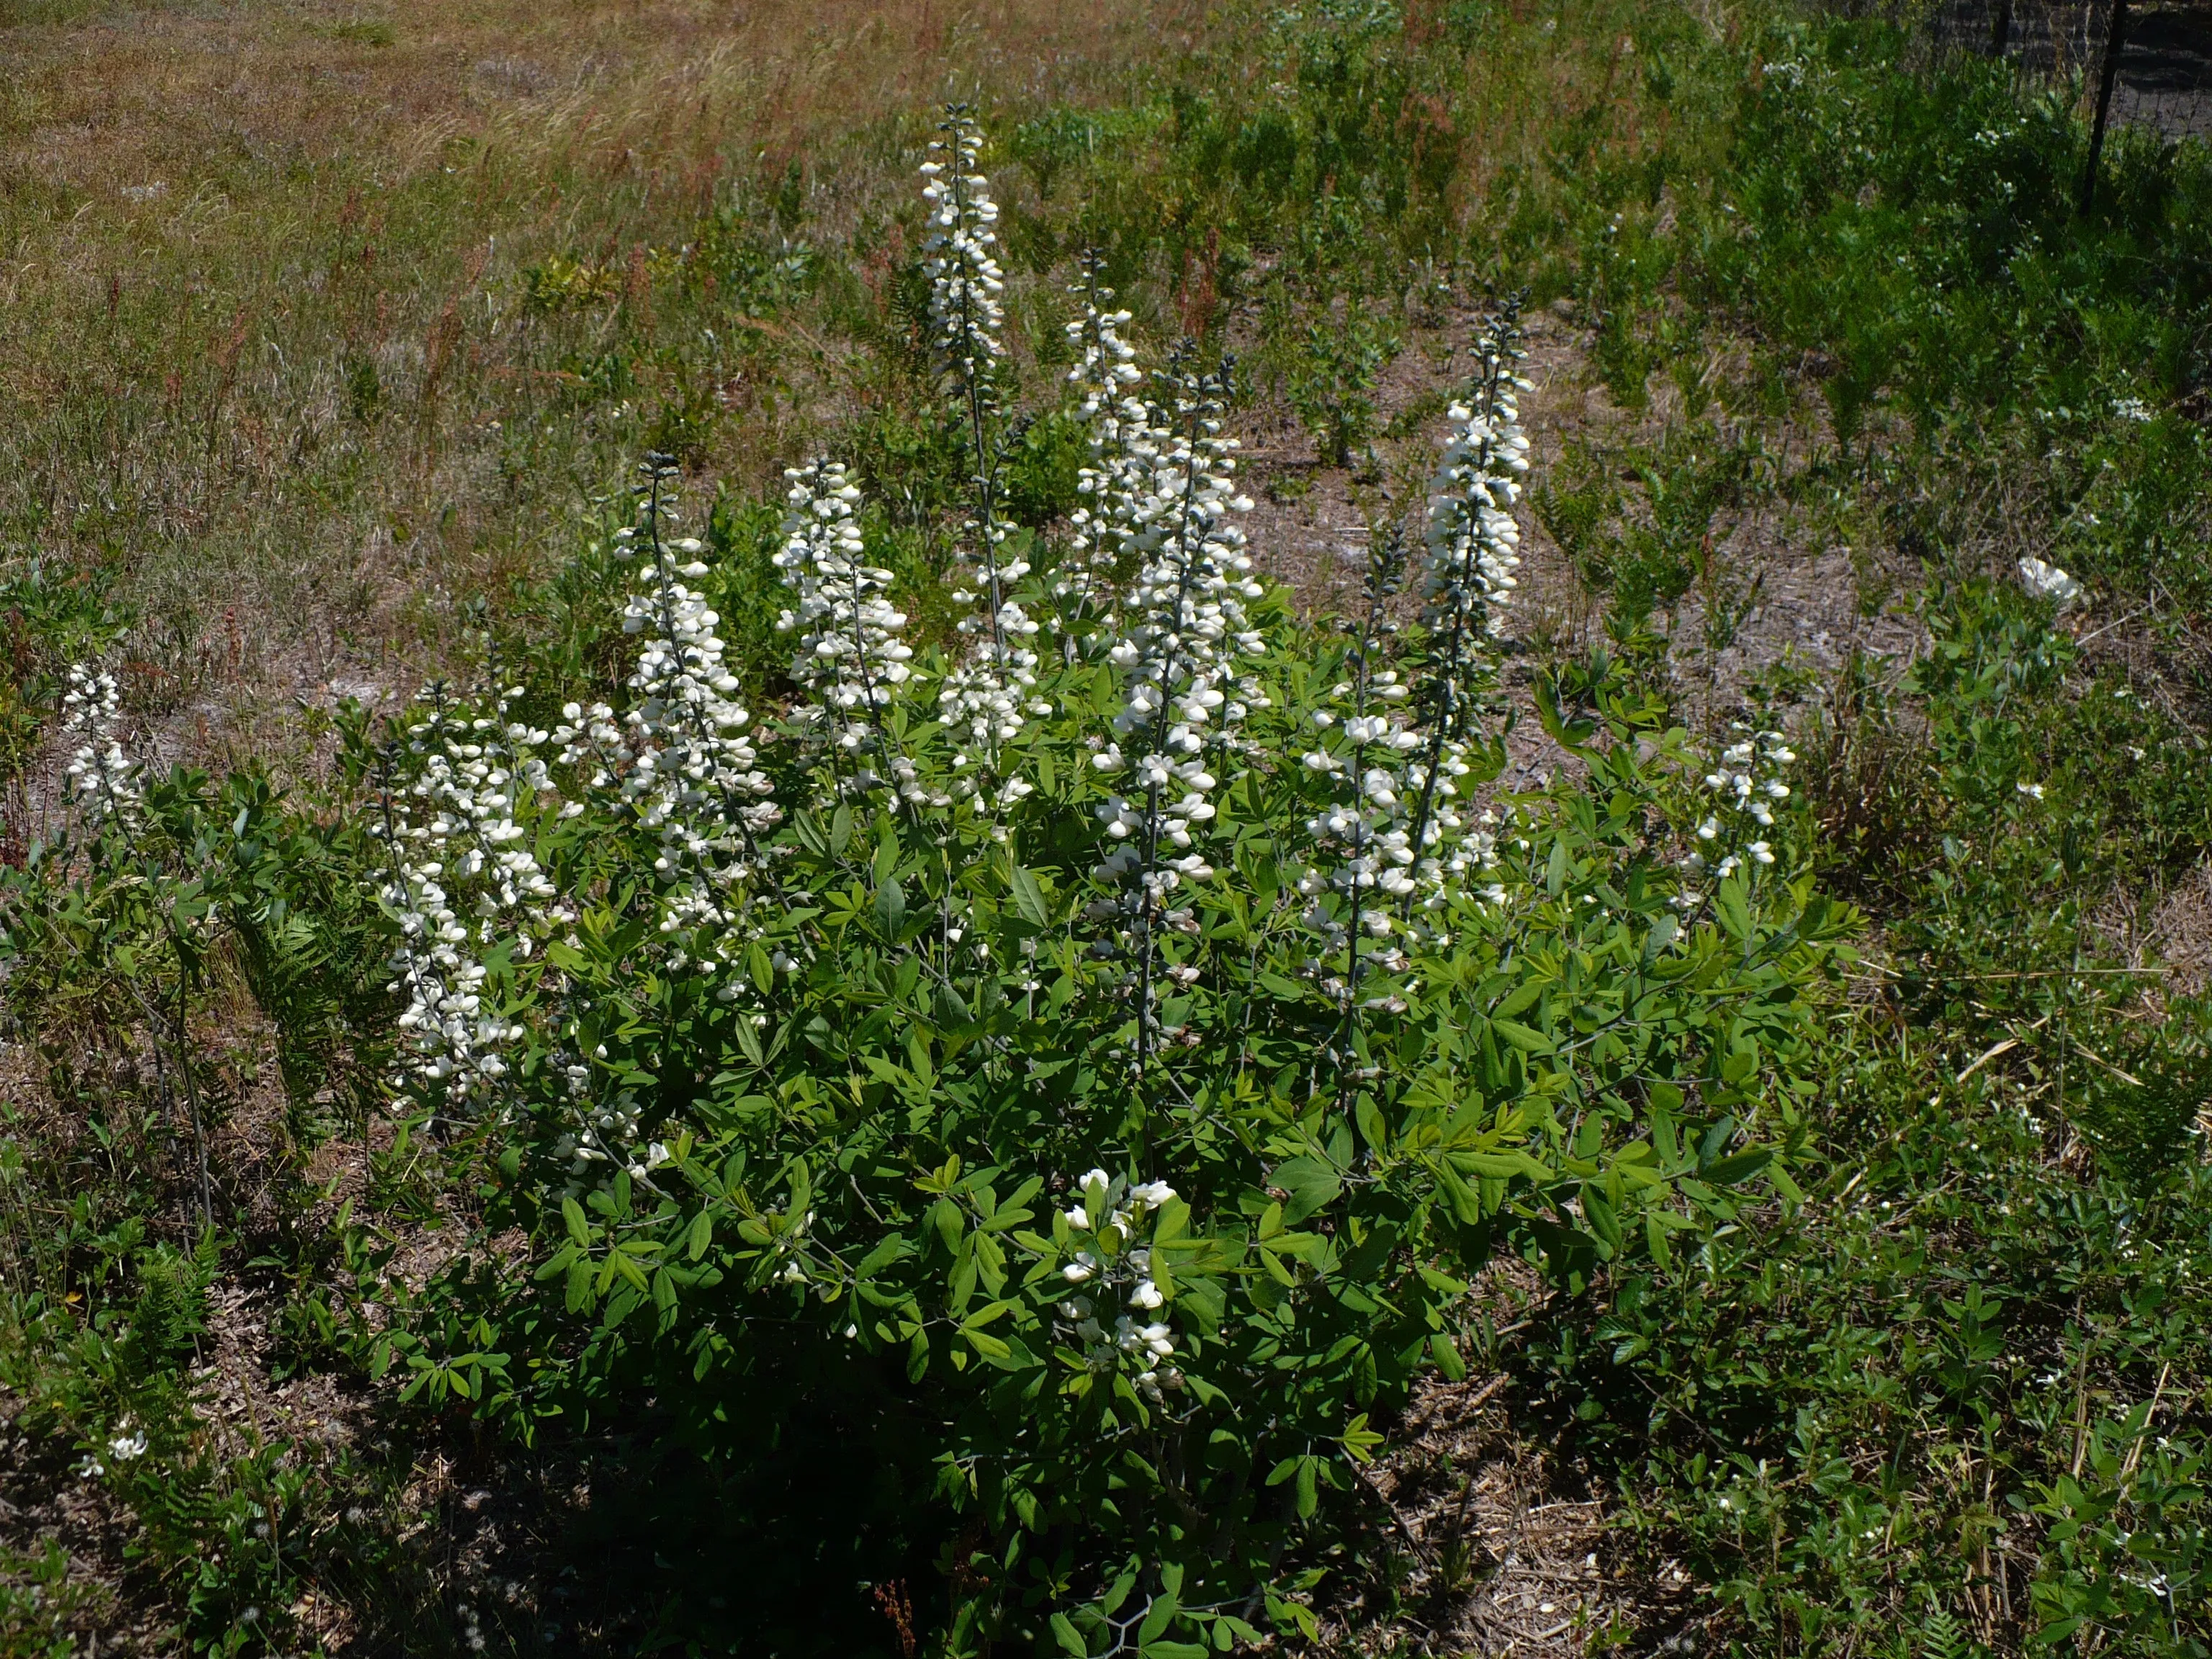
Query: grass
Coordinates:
[280,384]
[330,329]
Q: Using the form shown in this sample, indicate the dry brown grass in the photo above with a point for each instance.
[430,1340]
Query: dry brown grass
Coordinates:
[217,213]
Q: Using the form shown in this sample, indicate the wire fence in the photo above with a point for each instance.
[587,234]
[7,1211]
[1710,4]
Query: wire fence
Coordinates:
[2160,69]
[2164,79]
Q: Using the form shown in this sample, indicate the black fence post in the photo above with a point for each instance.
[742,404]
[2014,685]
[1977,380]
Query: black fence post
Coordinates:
[2000,30]
[2114,32]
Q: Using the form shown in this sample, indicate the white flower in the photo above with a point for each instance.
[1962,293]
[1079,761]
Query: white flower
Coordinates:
[1472,537]
[1119,1268]
[102,776]
[1747,784]
[1118,428]
[1418,857]
[1187,629]
[462,880]
[982,700]
[683,761]
[850,655]
[126,1447]
[2048,582]
[2033,791]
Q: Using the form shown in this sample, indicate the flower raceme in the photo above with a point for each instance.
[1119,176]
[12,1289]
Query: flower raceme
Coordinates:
[1178,662]
[1473,539]
[1118,431]
[1112,1292]
[850,659]
[965,311]
[1747,787]
[463,882]
[103,777]
[680,759]
[984,699]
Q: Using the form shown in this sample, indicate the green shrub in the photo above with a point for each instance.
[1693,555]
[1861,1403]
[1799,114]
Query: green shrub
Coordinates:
[1097,1144]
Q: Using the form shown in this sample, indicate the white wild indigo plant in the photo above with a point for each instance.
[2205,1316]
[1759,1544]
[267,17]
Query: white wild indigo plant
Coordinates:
[1227,912]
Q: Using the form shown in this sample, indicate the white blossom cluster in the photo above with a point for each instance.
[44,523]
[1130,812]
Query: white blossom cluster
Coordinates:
[451,1035]
[477,773]
[464,881]
[103,777]
[680,757]
[2048,582]
[1394,843]
[1474,540]
[1428,851]
[850,658]
[1108,1313]
[983,701]
[1747,784]
[1363,825]
[607,1126]
[1188,630]
[965,314]
[1118,430]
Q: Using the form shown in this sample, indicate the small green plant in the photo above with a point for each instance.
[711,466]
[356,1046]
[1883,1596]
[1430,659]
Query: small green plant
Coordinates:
[1335,368]
[40,1606]
[171,1312]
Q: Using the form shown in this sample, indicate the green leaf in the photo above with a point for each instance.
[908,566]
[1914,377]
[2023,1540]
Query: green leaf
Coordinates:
[984,1343]
[700,1235]
[1283,1611]
[890,908]
[1733,905]
[1603,1220]
[1372,1129]
[578,1229]
[1460,1198]
[1158,1617]
[1359,1441]
[1029,898]
[1311,1184]
[1497,1166]
[1070,1643]
[1526,1038]
[1729,1171]
[1786,1185]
